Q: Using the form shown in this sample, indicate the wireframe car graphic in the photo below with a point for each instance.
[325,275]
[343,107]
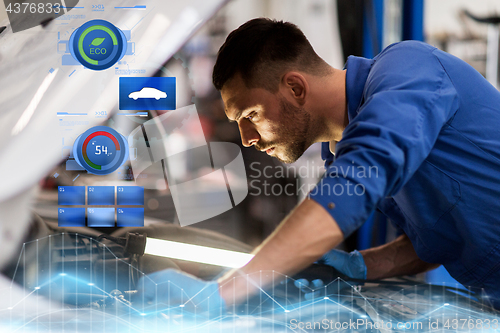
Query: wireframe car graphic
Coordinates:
[147,92]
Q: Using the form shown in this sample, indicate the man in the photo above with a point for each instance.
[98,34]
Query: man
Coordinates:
[427,122]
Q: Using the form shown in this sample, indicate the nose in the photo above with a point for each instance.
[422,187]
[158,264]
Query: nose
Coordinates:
[249,136]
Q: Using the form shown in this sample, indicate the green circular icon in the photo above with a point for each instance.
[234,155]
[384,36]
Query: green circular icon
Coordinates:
[97,44]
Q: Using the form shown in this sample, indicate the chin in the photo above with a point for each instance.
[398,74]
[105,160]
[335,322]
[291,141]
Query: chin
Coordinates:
[288,159]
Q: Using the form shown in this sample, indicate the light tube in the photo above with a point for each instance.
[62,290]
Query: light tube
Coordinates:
[196,253]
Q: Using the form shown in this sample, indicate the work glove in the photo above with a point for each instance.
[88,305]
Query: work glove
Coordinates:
[313,289]
[173,289]
[350,264]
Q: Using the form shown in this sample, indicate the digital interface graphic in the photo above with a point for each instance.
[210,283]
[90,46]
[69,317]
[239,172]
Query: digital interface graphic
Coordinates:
[130,217]
[94,288]
[98,44]
[130,195]
[100,150]
[147,93]
[71,217]
[101,195]
[71,195]
[101,217]
[96,215]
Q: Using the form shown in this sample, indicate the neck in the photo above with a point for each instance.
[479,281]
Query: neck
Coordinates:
[329,106]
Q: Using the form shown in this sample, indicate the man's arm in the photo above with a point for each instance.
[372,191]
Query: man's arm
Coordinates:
[305,235]
[394,259]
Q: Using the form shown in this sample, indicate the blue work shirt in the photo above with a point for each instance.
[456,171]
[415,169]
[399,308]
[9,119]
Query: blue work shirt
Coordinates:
[428,126]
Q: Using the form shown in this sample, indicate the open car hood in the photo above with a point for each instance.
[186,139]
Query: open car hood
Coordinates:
[36,86]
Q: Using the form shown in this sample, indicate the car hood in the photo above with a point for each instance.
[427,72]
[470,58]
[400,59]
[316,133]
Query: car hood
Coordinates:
[35,87]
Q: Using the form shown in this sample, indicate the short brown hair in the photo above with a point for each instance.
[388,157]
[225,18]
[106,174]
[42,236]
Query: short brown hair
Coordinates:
[261,51]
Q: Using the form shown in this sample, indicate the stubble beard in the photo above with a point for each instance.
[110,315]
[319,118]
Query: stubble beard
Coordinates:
[292,132]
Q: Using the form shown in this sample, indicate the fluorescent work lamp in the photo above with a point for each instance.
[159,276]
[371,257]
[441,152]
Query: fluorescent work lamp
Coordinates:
[196,253]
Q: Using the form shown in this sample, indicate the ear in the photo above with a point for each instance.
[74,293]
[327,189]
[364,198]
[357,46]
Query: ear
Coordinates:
[295,86]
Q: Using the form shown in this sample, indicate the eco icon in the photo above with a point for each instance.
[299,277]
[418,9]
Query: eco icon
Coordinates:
[97,41]
[98,44]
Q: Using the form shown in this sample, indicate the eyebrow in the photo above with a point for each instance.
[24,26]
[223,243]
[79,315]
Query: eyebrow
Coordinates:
[238,116]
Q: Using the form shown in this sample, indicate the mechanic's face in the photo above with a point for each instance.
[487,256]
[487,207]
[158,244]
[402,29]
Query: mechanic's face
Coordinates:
[267,120]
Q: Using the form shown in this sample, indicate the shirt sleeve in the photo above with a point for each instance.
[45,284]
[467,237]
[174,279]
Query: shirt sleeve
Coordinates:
[408,98]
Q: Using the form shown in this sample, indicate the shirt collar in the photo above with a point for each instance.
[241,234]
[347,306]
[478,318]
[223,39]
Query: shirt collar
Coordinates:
[358,69]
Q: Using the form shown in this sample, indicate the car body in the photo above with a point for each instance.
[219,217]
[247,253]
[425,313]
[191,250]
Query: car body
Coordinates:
[148,92]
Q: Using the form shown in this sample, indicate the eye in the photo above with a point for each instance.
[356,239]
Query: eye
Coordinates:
[250,116]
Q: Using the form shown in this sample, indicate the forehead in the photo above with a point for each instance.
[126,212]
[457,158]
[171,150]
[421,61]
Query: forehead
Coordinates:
[237,97]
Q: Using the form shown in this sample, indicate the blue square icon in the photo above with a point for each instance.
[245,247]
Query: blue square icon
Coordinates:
[101,195]
[101,217]
[130,195]
[147,93]
[71,195]
[71,217]
[130,217]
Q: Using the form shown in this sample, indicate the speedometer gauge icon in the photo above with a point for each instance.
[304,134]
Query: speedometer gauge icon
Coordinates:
[100,150]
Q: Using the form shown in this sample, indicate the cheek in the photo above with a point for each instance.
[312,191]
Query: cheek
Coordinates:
[268,129]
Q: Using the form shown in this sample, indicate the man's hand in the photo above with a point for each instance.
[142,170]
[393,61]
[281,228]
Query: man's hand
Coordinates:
[301,239]
[396,258]
[174,289]
[311,290]
[350,264]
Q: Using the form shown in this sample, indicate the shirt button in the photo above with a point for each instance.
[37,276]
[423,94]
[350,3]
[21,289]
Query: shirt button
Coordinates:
[331,205]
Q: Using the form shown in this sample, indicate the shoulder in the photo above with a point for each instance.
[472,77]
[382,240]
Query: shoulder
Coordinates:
[409,45]
[407,64]
[406,56]
[406,50]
